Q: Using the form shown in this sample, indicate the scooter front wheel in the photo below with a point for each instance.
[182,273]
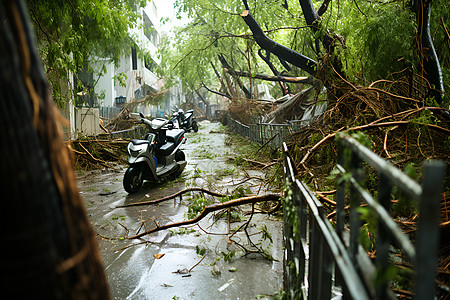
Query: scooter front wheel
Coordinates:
[133,179]
[195,126]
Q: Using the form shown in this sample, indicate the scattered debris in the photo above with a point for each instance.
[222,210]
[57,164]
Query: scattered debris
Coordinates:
[89,154]
[223,287]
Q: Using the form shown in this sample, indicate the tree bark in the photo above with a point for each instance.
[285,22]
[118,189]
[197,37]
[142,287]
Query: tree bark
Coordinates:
[50,251]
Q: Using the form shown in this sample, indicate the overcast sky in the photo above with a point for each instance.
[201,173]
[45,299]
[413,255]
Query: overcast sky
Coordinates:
[166,9]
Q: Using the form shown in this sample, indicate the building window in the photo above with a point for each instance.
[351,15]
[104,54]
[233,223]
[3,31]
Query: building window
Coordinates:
[133,58]
[150,31]
[150,64]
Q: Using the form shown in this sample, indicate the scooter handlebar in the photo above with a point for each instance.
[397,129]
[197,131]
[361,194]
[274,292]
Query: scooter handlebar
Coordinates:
[146,122]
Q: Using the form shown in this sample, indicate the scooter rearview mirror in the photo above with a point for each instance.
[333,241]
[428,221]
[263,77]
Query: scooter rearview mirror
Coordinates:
[142,115]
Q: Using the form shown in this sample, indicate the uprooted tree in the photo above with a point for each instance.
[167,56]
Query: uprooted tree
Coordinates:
[385,67]
[337,43]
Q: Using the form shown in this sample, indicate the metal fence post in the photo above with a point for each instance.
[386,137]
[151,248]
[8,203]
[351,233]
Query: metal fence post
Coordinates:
[383,239]
[340,194]
[319,271]
[315,262]
[355,201]
[427,243]
[300,254]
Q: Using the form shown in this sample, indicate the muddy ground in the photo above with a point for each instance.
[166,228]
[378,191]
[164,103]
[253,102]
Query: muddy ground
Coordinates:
[157,266]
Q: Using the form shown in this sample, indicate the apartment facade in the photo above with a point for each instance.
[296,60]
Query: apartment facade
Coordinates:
[135,76]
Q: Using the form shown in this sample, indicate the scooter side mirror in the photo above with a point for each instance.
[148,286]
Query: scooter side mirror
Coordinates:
[141,115]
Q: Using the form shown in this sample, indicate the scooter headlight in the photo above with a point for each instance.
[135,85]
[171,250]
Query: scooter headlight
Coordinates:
[135,150]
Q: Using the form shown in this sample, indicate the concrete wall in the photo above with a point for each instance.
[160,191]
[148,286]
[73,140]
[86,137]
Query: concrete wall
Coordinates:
[87,121]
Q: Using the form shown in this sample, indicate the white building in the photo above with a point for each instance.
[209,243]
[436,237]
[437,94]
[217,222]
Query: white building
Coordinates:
[109,87]
[138,70]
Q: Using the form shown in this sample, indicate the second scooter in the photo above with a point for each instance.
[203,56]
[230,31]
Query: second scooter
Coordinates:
[186,121]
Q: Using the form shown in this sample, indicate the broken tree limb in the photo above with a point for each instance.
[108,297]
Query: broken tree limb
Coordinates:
[216,92]
[266,58]
[367,126]
[303,62]
[194,189]
[306,80]
[323,8]
[212,208]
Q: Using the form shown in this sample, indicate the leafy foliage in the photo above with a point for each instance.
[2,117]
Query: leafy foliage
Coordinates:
[71,33]
[378,38]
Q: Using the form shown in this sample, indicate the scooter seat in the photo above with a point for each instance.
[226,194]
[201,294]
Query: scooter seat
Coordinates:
[166,149]
[139,142]
[174,135]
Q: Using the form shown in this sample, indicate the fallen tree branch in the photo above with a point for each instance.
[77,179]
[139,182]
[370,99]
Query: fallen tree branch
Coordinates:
[267,142]
[216,92]
[212,208]
[103,163]
[203,257]
[325,199]
[367,126]
[194,189]
[251,161]
[269,165]
[255,162]
[305,63]
[307,80]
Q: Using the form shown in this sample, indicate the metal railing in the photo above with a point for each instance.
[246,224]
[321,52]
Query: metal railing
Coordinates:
[321,260]
[272,134]
[107,112]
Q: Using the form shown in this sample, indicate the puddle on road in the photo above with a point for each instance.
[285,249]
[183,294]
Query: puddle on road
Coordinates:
[132,269]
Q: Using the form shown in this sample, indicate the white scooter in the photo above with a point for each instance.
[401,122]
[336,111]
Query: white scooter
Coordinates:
[156,156]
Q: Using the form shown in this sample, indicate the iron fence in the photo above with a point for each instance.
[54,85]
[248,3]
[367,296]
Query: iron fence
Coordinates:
[321,260]
[272,134]
[107,112]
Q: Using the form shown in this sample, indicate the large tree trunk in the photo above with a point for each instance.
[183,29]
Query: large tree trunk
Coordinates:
[305,63]
[49,248]
[428,58]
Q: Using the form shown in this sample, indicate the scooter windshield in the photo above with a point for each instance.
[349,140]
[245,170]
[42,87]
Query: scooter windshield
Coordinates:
[158,123]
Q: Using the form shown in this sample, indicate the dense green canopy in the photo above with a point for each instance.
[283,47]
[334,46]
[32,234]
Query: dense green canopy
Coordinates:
[378,38]
[70,33]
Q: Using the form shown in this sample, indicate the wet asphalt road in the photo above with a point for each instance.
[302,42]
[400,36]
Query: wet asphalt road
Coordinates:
[132,266]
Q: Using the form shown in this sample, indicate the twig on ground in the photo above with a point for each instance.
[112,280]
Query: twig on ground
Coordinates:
[171,196]
[209,209]
[126,234]
[189,271]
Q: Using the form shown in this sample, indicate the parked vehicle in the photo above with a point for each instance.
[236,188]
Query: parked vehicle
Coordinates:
[185,121]
[156,156]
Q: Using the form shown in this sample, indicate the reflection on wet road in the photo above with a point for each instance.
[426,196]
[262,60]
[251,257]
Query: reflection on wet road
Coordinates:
[133,270]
